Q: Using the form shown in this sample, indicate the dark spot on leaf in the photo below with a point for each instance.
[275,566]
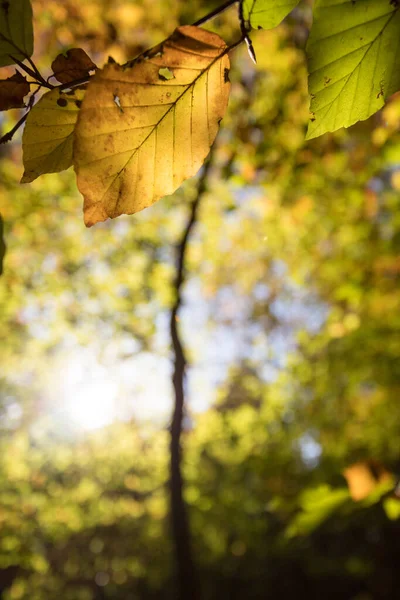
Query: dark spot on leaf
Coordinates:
[62,102]
[5,6]
[78,103]
[327,80]
[394,3]
[226,75]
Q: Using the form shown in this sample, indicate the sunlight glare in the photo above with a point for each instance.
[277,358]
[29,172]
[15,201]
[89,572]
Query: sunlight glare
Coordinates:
[92,406]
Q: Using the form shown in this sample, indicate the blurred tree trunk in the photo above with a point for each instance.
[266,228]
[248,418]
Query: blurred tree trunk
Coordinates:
[188,583]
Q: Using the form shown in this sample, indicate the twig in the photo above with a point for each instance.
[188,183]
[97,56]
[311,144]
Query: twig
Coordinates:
[188,583]
[7,137]
[214,13]
[34,71]
[23,67]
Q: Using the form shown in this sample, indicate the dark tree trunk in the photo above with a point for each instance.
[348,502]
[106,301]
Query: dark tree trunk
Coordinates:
[188,583]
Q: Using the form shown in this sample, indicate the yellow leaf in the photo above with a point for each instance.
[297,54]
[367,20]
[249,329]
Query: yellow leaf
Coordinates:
[146,127]
[48,135]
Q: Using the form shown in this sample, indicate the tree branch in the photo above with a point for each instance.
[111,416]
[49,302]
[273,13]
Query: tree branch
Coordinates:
[214,13]
[7,137]
[35,73]
[188,583]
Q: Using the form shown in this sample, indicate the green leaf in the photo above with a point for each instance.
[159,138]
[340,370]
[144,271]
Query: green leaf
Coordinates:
[354,61]
[317,505]
[49,131]
[2,245]
[267,14]
[392,508]
[16,31]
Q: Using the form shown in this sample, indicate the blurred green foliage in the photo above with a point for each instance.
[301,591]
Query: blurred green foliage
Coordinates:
[293,274]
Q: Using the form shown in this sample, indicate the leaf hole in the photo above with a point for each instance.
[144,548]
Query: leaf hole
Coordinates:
[165,74]
[117,102]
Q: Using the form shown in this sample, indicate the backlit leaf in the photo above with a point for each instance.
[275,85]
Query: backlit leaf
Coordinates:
[48,134]
[143,129]
[12,92]
[267,14]
[16,31]
[76,64]
[354,61]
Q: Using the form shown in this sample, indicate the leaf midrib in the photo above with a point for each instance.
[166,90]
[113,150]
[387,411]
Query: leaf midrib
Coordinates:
[349,75]
[155,127]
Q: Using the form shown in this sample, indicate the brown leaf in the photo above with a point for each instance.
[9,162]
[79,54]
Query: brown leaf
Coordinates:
[146,127]
[75,65]
[12,91]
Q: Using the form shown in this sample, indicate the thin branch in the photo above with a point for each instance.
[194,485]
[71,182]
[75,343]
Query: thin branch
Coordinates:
[72,84]
[214,13]
[131,62]
[7,137]
[188,583]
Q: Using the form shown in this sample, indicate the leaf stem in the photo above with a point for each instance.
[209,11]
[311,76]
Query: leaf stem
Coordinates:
[34,71]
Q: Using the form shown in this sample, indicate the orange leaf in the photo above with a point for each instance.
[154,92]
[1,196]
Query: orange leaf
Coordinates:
[147,126]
